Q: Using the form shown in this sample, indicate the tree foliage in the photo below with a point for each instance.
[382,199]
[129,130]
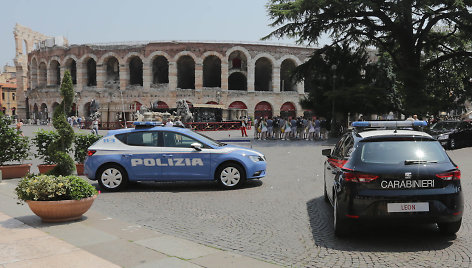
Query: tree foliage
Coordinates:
[407,30]
[59,148]
[15,146]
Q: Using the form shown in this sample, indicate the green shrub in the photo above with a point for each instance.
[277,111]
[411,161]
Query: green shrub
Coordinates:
[42,140]
[14,146]
[81,144]
[53,188]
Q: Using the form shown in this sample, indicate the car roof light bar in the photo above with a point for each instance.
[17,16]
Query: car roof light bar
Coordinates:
[147,124]
[394,124]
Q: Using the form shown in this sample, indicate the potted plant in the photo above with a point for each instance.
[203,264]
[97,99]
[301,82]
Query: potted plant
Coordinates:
[15,148]
[81,144]
[56,198]
[42,140]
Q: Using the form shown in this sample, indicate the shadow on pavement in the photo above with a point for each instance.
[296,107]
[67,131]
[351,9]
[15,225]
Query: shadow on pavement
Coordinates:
[373,237]
[179,187]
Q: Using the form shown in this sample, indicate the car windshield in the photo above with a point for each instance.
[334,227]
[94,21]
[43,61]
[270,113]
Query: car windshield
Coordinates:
[402,152]
[444,125]
[208,140]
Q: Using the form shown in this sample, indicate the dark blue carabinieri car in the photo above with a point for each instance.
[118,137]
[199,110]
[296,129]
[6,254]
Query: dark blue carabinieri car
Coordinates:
[151,152]
[392,174]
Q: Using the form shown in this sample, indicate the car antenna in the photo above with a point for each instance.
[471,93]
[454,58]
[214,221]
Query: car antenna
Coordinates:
[396,127]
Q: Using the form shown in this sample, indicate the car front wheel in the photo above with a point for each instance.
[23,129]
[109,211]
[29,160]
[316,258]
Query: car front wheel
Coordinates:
[112,178]
[452,144]
[230,176]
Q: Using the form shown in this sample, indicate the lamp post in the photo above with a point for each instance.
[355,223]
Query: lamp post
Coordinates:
[123,108]
[333,118]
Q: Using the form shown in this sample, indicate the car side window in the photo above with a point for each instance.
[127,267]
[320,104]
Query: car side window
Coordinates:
[173,139]
[348,146]
[337,151]
[141,138]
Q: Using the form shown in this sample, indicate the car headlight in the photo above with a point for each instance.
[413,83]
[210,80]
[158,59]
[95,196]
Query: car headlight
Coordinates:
[443,137]
[256,158]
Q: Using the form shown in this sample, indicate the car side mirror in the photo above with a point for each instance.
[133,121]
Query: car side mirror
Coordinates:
[197,146]
[326,152]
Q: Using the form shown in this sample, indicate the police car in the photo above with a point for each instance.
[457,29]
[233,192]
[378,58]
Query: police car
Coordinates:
[151,152]
[377,173]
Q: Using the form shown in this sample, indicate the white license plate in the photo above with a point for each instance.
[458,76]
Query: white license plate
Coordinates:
[408,207]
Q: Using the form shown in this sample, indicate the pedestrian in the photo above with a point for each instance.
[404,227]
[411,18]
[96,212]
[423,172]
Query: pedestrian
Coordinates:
[317,127]
[243,127]
[293,128]
[270,128]
[263,129]
[311,130]
[256,128]
[169,123]
[178,122]
[95,126]
[79,122]
[19,124]
[288,129]
[276,127]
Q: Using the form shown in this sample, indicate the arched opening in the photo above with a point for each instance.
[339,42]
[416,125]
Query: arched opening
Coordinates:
[160,106]
[71,65]
[135,106]
[237,81]
[237,61]
[287,68]
[160,70]
[54,105]
[113,72]
[136,71]
[87,111]
[212,71]
[25,48]
[186,72]
[35,112]
[288,110]
[91,73]
[34,74]
[263,75]
[263,109]
[43,113]
[43,74]
[73,111]
[55,72]
[13,111]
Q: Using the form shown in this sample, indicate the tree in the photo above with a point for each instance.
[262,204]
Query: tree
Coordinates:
[407,30]
[359,86]
[60,147]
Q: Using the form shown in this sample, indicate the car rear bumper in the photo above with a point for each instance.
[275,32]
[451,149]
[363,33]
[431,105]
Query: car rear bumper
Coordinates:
[442,208]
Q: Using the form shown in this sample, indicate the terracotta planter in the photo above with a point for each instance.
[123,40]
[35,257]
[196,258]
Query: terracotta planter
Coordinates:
[15,171]
[59,211]
[43,169]
[80,169]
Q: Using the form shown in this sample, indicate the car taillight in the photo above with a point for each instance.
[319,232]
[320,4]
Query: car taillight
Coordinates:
[449,176]
[359,177]
[91,152]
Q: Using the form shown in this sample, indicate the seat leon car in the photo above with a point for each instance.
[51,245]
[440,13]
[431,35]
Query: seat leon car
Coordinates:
[156,153]
[393,175]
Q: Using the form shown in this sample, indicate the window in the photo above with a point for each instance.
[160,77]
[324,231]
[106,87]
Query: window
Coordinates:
[13,96]
[142,138]
[173,139]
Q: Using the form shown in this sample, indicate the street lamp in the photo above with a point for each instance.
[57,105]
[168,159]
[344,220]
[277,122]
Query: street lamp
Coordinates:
[333,119]
[123,108]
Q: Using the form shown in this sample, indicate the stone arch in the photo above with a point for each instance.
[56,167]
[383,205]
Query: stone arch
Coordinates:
[287,68]
[135,105]
[212,71]
[186,71]
[288,109]
[88,63]
[263,73]
[70,64]
[238,48]
[34,73]
[25,48]
[111,66]
[187,53]
[159,64]
[263,109]
[237,81]
[54,71]
[237,61]
[134,64]
[35,111]
[237,105]
[42,74]
[107,55]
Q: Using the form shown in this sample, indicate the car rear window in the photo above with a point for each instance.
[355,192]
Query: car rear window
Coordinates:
[397,151]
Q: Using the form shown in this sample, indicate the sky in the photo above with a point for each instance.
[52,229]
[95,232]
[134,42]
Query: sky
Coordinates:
[101,21]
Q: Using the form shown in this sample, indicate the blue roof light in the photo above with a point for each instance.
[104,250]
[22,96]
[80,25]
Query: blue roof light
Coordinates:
[147,123]
[395,124]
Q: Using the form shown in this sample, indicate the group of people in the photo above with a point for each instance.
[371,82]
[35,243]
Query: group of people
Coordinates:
[76,121]
[289,128]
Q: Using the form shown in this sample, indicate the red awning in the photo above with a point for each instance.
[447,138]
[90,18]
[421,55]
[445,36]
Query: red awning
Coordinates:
[263,106]
[238,105]
[212,102]
[162,105]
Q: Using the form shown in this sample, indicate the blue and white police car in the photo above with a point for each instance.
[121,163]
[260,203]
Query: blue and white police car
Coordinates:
[151,152]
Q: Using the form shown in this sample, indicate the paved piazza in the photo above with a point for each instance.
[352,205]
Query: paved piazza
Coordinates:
[283,218]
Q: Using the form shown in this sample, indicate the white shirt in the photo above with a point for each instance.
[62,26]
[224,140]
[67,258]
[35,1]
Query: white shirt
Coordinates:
[169,124]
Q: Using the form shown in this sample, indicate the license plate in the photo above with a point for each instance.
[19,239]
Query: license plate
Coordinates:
[408,207]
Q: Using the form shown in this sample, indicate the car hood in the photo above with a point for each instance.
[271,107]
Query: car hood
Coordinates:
[240,149]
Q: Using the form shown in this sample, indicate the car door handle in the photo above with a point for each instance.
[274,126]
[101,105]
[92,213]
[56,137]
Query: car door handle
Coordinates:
[167,155]
[126,155]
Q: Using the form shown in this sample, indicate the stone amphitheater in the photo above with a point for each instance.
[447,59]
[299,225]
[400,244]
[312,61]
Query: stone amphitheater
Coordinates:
[238,78]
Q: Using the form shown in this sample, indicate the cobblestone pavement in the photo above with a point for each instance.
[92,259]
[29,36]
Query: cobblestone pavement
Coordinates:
[283,217]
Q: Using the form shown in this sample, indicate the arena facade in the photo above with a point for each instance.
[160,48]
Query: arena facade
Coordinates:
[240,78]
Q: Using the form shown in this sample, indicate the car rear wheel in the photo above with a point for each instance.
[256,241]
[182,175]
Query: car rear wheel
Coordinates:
[340,225]
[230,176]
[326,198]
[449,228]
[112,178]
[452,144]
